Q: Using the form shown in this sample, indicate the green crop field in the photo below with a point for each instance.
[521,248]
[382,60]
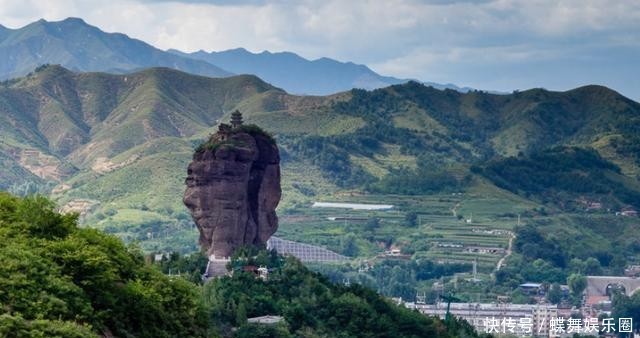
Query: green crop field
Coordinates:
[437,224]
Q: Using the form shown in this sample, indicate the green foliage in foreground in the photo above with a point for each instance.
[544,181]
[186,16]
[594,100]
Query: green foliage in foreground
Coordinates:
[313,307]
[627,307]
[57,280]
[17,326]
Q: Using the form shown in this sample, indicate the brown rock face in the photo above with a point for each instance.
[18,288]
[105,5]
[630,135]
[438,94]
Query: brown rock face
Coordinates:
[233,189]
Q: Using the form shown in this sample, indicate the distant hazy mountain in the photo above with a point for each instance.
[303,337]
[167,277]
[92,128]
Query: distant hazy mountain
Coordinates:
[79,46]
[298,75]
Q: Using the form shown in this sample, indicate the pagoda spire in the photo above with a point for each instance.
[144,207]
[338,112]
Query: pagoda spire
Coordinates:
[236,119]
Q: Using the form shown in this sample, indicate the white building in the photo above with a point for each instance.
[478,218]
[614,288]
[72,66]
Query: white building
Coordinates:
[507,318]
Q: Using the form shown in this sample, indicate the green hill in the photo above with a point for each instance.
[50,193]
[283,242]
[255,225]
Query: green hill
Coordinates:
[115,147]
[61,281]
[557,172]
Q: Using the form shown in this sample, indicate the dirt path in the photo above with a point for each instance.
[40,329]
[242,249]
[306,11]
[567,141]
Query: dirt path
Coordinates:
[508,253]
[454,210]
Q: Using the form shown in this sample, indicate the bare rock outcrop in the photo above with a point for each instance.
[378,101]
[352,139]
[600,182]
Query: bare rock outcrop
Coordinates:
[233,189]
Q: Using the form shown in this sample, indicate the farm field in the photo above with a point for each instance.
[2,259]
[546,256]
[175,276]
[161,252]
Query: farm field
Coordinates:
[454,227]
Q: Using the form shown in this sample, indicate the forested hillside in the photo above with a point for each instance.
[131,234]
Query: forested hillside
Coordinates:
[61,281]
[58,280]
[101,143]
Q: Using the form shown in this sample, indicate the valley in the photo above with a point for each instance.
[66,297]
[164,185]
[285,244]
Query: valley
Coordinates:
[461,170]
[315,169]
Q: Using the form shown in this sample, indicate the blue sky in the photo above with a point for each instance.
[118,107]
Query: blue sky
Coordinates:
[495,45]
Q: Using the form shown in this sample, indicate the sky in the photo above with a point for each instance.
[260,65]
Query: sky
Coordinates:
[500,45]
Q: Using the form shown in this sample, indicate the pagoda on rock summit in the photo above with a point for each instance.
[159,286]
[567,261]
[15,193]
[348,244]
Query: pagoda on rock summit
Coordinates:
[236,119]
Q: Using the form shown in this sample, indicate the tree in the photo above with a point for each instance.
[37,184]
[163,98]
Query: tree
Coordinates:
[314,307]
[542,271]
[241,313]
[57,280]
[519,297]
[54,276]
[411,219]
[592,267]
[349,246]
[577,283]
[372,224]
[627,307]
[577,265]
[530,251]
[16,326]
[554,296]
[263,331]
[617,264]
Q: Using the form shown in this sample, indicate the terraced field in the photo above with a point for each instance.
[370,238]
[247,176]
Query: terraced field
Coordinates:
[459,227]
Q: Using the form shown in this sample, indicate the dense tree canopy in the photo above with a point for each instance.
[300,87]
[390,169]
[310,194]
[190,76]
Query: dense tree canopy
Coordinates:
[57,280]
[312,306]
[559,175]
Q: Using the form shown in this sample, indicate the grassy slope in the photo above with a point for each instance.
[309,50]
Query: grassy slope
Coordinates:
[146,125]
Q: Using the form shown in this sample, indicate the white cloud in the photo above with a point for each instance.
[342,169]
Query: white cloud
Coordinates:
[431,40]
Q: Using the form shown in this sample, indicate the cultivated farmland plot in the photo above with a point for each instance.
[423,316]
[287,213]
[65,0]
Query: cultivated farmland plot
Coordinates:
[455,227]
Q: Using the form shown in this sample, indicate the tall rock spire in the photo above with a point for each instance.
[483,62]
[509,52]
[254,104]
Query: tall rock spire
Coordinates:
[233,189]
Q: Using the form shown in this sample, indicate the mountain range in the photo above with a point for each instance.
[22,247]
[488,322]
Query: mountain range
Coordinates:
[79,46]
[82,47]
[99,134]
[530,186]
[298,75]
[294,73]
[102,142]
